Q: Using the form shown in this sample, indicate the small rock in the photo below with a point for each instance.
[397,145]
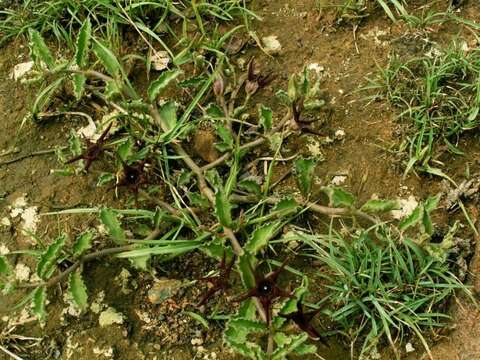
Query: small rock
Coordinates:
[20,70]
[409,348]
[271,45]
[316,67]
[5,222]
[110,317]
[30,219]
[196,341]
[339,180]
[406,208]
[4,250]
[163,289]
[339,134]
[160,60]
[22,272]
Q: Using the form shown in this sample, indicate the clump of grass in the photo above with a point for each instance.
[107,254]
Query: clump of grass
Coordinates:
[439,99]
[383,286]
[62,17]
[357,9]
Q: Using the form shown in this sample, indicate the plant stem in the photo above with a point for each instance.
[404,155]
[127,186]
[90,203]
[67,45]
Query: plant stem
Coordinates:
[320,209]
[89,257]
[26,156]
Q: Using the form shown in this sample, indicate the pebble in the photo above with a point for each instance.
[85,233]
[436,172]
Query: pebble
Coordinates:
[163,289]
[271,45]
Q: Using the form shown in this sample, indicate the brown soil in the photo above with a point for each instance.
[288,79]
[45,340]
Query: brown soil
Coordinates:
[307,37]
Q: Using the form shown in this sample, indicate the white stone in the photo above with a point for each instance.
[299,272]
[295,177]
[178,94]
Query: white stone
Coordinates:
[339,134]
[4,250]
[406,207]
[271,45]
[30,218]
[22,272]
[409,348]
[5,222]
[160,60]
[316,67]
[110,317]
[19,202]
[339,180]
[20,70]
[89,131]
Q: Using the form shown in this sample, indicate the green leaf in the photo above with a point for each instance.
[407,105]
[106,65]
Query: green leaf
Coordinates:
[223,208]
[248,325]
[168,114]
[198,318]
[261,236]
[227,139]
[161,83]
[125,149]
[79,81]
[140,262]
[285,207]
[245,267]
[38,303]
[49,257]
[174,249]
[290,305]
[413,219]
[305,349]
[43,99]
[290,346]
[304,169]
[440,173]
[431,203]
[83,43]
[380,206]
[39,49]
[109,219]
[108,59]
[78,290]
[105,178]
[112,89]
[283,97]
[83,243]
[214,111]
[4,266]
[266,117]
[339,197]
[250,186]
[314,104]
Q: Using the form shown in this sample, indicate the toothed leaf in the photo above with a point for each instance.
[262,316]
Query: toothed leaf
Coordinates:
[339,197]
[162,82]
[38,304]
[261,236]
[110,220]
[266,117]
[82,243]
[304,169]
[108,59]
[223,208]
[78,290]
[380,206]
[39,49]
[83,43]
[4,266]
[48,258]
[79,81]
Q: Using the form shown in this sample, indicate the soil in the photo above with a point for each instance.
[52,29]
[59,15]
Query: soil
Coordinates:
[345,55]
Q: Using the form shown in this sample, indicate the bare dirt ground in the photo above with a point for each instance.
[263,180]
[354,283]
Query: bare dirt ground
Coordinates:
[344,57]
